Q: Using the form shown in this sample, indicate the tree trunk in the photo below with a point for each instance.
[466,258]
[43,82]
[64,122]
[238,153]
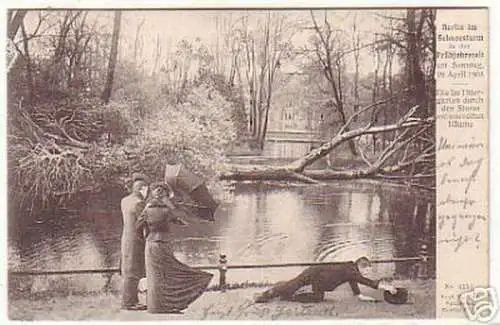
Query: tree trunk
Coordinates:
[416,79]
[29,67]
[265,118]
[157,55]
[327,59]
[106,95]
[137,41]
[266,173]
[374,116]
[296,170]
[15,23]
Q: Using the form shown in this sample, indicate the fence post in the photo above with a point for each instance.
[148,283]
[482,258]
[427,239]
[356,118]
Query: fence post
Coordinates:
[222,272]
[423,264]
[107,285]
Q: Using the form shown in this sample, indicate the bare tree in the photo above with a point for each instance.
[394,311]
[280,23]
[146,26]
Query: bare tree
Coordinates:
[15,21]
[157,54]
[106,95]
[329,54]
[414,36]
[138,43]
[375,89]
[356,50]
[27,56]
[29,68]
[410,154]
[227,48]
[263,50]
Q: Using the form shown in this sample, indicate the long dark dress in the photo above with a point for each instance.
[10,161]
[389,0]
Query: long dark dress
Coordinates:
[172,285]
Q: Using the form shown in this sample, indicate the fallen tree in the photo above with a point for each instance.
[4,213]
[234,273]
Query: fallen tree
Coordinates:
[410,155]
[60,151]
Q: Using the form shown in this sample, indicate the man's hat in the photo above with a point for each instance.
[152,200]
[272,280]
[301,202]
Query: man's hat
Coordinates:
[399,298]
[140,177]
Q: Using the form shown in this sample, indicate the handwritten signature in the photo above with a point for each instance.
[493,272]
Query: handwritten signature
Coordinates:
[249,309]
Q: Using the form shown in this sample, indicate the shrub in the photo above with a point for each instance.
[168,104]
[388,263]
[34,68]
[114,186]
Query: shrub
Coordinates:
[104,144]
[195,133]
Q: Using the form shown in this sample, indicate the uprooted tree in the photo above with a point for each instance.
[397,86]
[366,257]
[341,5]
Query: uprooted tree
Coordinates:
[64,142]
[409,156]
[407,147]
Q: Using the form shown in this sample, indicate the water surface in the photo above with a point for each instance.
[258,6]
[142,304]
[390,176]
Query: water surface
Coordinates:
[262,224]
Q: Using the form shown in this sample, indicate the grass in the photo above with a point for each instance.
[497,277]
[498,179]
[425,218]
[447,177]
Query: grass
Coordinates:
[234,304]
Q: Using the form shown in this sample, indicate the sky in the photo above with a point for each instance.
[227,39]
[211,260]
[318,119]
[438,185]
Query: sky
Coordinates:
[171,26]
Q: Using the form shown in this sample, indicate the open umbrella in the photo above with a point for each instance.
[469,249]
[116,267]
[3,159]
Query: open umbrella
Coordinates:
[190,191]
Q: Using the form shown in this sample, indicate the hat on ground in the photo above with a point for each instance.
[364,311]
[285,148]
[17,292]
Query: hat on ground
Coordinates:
[399,298]
[140,177]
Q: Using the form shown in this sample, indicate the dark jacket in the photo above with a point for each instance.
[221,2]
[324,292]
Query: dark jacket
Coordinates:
[322,278]
[132,248]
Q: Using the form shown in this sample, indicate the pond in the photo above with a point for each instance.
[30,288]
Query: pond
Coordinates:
[263,223]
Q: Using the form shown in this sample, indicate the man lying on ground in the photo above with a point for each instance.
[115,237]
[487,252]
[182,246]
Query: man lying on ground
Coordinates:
[313,282]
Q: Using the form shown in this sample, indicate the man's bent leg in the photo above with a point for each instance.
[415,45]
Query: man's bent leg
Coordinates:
[266,296]
[283,290]
[309,297]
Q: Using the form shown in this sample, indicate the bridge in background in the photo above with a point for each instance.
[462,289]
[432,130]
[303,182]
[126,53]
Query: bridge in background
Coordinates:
[301,136]
[291,143]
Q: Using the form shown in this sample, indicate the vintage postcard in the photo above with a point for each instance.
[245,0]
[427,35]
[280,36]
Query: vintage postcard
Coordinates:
[248,164]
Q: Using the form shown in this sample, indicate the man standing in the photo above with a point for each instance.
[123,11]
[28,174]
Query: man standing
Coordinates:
[313,282]
[132,247]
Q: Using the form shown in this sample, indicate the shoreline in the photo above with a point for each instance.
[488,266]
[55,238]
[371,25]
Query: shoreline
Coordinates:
[236,304]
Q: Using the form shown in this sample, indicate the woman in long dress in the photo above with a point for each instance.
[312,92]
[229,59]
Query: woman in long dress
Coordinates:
[172,285]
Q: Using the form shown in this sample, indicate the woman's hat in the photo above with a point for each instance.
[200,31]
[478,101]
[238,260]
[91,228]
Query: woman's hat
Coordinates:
[140,177]
[161,185]
[156,185]
[399,298]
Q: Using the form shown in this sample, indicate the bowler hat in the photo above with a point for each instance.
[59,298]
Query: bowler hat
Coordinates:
[140,177]
[399,298]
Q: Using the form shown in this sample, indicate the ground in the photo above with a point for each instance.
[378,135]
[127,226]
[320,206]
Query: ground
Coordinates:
[232,305]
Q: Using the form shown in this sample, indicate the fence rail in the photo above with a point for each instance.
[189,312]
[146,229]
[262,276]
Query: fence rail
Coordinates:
[222,266]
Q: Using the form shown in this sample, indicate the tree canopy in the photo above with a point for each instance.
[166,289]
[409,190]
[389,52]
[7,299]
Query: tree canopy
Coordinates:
[97,95]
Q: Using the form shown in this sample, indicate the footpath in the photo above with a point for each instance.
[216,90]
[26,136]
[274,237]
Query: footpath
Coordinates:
[234,304]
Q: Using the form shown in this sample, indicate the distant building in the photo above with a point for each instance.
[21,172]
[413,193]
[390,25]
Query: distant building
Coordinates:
[293,126]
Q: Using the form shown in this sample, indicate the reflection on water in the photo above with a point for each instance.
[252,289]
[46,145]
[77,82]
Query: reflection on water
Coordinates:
[263,224]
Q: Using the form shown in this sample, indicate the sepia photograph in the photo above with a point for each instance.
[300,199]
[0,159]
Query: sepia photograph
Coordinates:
[223,164]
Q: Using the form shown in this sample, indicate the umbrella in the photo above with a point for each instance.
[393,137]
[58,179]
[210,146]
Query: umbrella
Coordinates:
[190,191]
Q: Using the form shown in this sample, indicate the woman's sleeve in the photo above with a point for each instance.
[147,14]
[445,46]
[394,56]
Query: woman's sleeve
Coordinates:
[175,213]
[176,218]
